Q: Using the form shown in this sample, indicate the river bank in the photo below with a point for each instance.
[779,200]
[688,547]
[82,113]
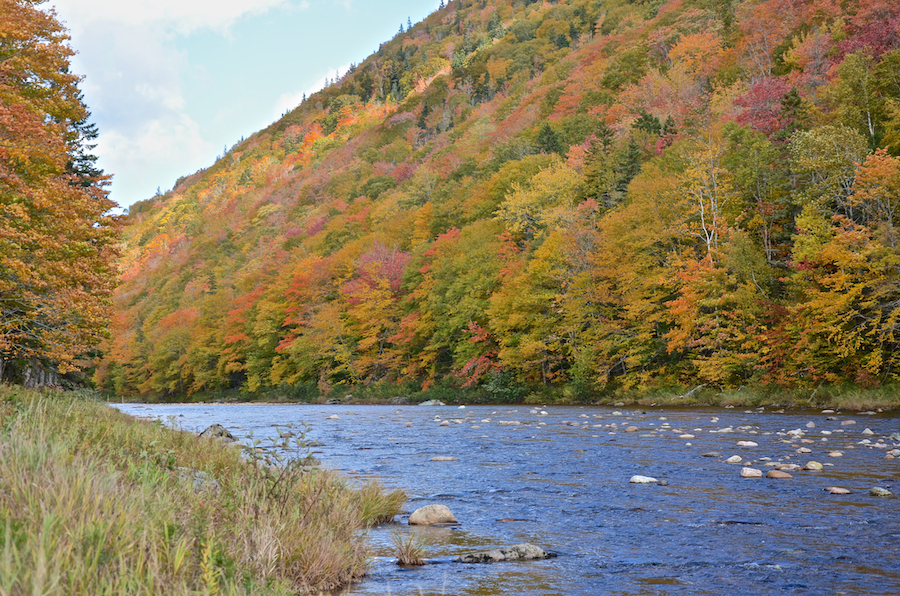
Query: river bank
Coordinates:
[95,501]
[847,397]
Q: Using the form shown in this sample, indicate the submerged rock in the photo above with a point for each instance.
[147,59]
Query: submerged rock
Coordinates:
[432,514]
[217,431]
[444,458]
[519,552]
[711,454]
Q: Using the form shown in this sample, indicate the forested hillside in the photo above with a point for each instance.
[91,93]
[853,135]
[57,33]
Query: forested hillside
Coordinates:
[585,195]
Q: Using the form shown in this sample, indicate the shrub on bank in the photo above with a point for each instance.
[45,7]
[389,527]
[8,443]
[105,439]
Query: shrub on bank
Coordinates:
[93,501]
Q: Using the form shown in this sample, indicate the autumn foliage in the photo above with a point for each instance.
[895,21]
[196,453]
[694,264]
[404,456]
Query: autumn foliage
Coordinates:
[57,240]
[583,195]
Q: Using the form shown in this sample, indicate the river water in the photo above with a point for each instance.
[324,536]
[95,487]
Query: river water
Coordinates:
[560,479]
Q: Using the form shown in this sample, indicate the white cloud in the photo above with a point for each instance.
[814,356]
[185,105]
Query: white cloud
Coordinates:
[181,16]
[288,101]
[175,140]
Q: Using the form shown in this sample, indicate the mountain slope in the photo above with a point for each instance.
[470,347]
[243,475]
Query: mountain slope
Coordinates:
[587,195]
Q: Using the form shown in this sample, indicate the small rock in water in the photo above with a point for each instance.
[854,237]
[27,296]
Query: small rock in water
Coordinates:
[877,491]
[734,459]
[837,490]
[631,429]
[813,465]
[804,450]
[432,514]
[747,444]
[894,437]
[444,423]
[711,454]
[868,432]
[848,422]
[519,552]
[835,454]
[810,424]
[638,479]
[688,436]
[433,402]
[751,473]
[778,474]
[444,458]
[663,483]
[333,417]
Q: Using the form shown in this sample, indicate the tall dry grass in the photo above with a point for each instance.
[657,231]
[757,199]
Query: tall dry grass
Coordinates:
[95,502]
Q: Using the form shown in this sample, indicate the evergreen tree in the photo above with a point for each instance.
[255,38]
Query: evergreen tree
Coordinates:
[630,164]
[547,140]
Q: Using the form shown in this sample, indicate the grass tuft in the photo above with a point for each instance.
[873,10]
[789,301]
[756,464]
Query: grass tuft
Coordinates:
[409,548]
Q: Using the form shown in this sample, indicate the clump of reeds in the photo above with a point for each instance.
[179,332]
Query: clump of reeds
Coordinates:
[409,548]
[96,502]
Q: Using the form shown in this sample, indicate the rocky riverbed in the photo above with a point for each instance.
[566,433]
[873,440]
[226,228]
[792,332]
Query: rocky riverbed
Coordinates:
[633,501]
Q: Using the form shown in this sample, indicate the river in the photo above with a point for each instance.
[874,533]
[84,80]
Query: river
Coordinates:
[561,475]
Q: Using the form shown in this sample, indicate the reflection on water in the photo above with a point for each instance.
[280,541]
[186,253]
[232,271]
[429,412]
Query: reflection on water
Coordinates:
[560,481]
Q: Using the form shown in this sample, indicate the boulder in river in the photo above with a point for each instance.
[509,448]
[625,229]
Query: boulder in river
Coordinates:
[519,552]
[837,490]
[778,474]
[711,454]
[747,444]
[638,479]
[877,491]
[813,465]
[217,431]
[432,514]
[399,400]
[433,402]
[444,458]
[751,473]
[734,459]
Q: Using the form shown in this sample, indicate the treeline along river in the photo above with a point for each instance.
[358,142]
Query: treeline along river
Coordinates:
[559,477]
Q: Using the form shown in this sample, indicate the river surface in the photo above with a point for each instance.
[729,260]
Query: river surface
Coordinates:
[560,479]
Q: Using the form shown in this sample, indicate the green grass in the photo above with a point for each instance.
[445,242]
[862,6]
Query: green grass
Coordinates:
[95,502]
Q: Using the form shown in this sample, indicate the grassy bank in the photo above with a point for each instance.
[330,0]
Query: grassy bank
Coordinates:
[95,502]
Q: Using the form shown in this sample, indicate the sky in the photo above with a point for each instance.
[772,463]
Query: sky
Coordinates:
[172,83]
